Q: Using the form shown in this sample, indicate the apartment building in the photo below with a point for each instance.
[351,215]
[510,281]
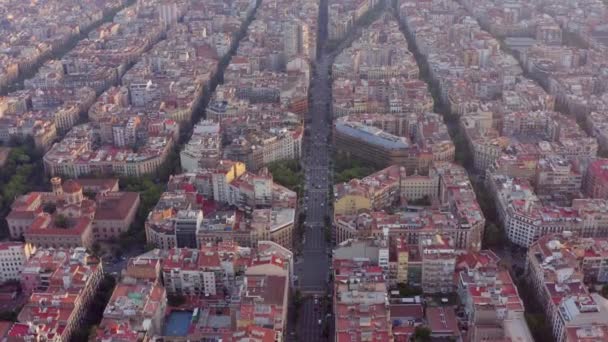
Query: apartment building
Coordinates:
[361,308]
[556,277]
[596,179]
[438,264]
[13,256]
[526,218]
[60,292]
[490,298]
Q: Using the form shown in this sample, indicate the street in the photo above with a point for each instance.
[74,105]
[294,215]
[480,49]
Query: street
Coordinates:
[313,271]
[313,268]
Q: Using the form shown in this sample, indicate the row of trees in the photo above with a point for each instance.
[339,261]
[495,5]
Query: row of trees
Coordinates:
[94,312]
[21,173]
[337,45]
[494,236]
[149,193]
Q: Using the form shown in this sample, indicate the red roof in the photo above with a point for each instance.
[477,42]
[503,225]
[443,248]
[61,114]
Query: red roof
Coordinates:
[403,333]
[442,320]
[19,330]
[79,226]
[116,205]
[599,169]
[71,186]
[413,311]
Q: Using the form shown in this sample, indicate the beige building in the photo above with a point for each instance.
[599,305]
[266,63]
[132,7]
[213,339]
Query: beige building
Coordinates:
[557,176]
[44,232]
[376,191]
[77,156]
[415,187]
[274,225]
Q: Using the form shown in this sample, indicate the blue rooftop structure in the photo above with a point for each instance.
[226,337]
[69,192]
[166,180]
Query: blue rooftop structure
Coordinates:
[178,323]
[372,135]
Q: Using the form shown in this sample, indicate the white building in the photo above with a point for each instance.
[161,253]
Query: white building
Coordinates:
[204,147]
[168,13]
[13,256]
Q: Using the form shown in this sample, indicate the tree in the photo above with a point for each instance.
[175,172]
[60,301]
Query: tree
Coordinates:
[81,333]
[288,173]
[149,194]
[424,201]
[297,299]
[350,168]
[605,291]
[493,235]
[407,291]
[22,172]
[89,194]
[301,218]
[149,246]
[538,325]
[61,221]
[421,334]
[94,312]
[463,155]
[49,208]
[328,233]
[176,300]
[96,248]
[8,316]
[172,163]
[486,202]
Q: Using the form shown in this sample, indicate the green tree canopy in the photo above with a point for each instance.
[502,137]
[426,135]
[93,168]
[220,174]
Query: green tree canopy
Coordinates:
[61,221]
[421,334]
